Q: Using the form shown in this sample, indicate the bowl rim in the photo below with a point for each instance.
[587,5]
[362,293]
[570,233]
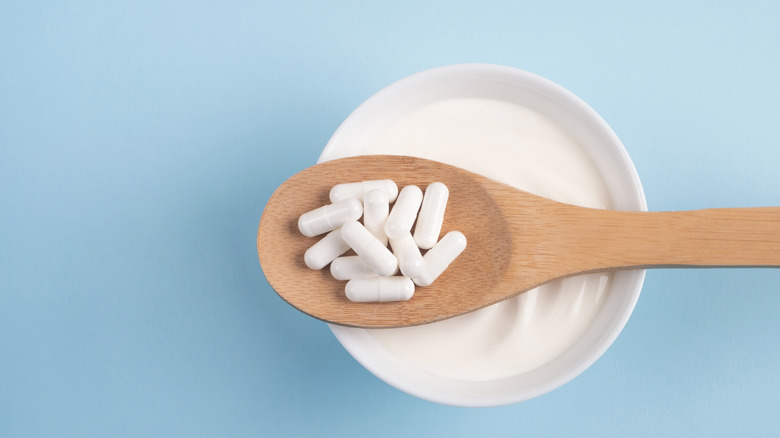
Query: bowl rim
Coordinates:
[385,368]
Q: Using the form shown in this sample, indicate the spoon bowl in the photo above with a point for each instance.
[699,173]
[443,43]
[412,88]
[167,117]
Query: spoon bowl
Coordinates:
[470,210]
[516,241]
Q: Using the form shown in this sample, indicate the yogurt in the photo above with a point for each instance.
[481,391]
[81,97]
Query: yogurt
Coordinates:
[517,146]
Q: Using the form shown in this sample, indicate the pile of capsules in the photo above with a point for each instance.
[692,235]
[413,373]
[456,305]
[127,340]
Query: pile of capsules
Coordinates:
[371,274]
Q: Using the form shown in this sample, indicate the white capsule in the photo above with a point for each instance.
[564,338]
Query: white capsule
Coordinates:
[375,254]
[326,250]
[431,217]
[409,258]
[350,267]
[404,212]
[381,289]
[329,217]
[440,256]
[376,207]
[358,190]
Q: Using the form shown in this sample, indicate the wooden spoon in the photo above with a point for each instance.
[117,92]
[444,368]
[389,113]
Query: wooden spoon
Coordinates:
[516,241]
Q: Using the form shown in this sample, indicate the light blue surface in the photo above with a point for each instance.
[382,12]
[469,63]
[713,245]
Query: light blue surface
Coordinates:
[139,142]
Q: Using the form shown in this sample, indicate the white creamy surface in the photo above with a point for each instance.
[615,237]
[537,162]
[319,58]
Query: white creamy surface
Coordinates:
[522,148]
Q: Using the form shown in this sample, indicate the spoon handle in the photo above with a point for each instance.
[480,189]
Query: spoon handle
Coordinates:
[697,238]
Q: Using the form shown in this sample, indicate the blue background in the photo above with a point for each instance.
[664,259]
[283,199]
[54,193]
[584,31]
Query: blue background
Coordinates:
[139,142]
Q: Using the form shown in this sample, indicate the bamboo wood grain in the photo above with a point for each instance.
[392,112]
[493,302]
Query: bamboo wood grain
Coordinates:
[516,241]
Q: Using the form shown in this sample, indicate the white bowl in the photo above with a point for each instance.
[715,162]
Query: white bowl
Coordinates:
[609,156]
